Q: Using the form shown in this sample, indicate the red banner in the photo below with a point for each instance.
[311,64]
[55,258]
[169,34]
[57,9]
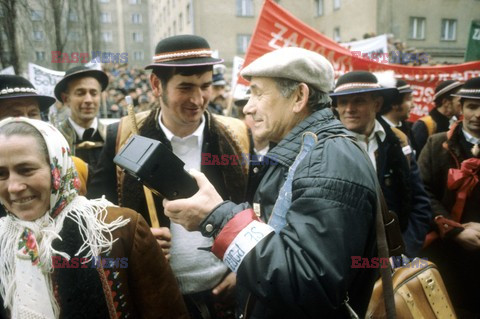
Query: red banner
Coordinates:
[277,28]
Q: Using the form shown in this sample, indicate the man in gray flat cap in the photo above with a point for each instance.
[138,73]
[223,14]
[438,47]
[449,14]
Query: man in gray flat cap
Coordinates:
[314,208]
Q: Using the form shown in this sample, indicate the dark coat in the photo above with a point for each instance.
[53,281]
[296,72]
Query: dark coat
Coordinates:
[305,271]
[404,191]
[420,131]
[459,267]
[229,180]
[91,154]
[140,284]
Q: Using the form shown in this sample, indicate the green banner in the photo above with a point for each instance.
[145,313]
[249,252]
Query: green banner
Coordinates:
[473,47]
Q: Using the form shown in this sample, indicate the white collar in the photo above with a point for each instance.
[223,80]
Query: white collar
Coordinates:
[470,138]
[80,130]
[391,123]
[378,130]
[198,133]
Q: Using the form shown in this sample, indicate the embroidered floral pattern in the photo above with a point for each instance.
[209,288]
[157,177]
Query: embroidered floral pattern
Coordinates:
[28,246]
[65,182]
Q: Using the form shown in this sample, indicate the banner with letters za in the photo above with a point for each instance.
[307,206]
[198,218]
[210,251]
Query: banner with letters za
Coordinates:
[277,28]
[43,79]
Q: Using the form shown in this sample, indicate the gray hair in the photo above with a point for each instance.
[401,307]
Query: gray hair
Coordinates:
[317,100]
[25,129]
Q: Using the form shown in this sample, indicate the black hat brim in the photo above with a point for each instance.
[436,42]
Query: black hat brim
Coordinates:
[405,91]
[388,94]
[467,96]
[61,86]
[44,101]
[186,63]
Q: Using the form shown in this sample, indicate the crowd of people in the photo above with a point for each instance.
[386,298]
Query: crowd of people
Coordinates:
[261,238]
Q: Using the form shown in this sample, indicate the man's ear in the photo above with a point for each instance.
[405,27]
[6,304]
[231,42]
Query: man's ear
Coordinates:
[378,103]
[301,98]
[65,99]
[156,85]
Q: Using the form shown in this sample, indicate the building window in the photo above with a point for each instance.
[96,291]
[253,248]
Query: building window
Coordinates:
[318,8]
[40,55]
[38,35]
[245,8]
[242,43]
[136,18]
[3,36]
[189,14]
[107,36]
[36,15]
[105,17]
[72,16]
[449,29]
[1,12]
[74,36]
[137,36]
[417,28]
[336,34]
[135,1]
[180,22]
[336,4]
[174,27]
[138,55]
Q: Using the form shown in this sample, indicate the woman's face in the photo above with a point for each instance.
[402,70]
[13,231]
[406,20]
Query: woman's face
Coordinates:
[25,178]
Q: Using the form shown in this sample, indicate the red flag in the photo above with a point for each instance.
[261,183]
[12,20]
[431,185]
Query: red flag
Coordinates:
[277,28]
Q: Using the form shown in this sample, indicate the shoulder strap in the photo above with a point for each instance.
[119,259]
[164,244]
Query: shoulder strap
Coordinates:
[430,124]
[406,148]
[284,200]
[383,219]
[125,129]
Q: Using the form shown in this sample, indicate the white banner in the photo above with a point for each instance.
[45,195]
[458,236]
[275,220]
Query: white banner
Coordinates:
[377,45]
[8,70]
[239,89]
[43,79]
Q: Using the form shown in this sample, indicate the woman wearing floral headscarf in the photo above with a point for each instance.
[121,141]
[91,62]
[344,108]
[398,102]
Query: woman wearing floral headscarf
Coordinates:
[64,256]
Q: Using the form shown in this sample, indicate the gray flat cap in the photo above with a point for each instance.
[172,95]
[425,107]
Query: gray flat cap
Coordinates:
[295,64]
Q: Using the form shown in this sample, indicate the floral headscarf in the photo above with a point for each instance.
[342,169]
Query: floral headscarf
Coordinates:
[65,181]
[19,248]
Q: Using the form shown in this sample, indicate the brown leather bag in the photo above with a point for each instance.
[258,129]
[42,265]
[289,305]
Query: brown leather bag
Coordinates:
[419,292]
[415,290]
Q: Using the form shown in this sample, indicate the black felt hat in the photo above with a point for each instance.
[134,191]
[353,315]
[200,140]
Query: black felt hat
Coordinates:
[183,51]
[403,87]
[470,90]
[356,82]
[14,86]
[77,72]
[446,88]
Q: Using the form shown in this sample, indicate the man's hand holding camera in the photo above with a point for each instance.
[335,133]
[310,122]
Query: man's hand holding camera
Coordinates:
[190,212]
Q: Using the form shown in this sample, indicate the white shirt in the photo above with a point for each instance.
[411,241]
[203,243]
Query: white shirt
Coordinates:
[370,144]
[390,123]
[80,130]
[196,270]
[470,138]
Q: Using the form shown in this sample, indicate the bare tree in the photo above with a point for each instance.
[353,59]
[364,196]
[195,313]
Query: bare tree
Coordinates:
[69,26]
[9,53]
